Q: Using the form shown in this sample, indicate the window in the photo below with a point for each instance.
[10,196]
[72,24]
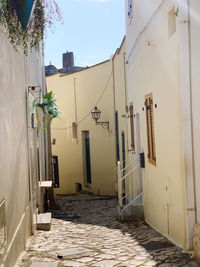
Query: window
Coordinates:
[150,129]
[132,127]
[23,10]
[130,7]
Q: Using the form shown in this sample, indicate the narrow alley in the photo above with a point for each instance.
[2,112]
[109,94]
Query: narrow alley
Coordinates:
[85,232]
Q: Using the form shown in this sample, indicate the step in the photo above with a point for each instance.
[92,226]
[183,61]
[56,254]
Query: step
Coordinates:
[44,264]
[44,221]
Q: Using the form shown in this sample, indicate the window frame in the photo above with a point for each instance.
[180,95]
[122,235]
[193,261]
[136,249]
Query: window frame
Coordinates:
[132,128]
[150,129]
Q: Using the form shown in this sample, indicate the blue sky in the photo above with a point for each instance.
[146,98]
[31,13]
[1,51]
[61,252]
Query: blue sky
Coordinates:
[92,29]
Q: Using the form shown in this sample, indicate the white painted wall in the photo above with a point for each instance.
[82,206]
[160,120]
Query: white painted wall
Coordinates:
[141,14]
[153,66]
[17,72]
[195,84]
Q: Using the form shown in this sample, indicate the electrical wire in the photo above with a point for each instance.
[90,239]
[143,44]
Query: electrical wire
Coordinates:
[88,114]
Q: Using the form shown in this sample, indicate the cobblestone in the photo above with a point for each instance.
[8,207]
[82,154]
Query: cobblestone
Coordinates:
[88,224]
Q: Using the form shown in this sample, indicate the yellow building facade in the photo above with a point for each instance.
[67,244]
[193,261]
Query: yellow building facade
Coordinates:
[86,151]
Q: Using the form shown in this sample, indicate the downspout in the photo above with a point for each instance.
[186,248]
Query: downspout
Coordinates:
[187,127]
[75,109]
[46,140]
[113,76]
[28,150]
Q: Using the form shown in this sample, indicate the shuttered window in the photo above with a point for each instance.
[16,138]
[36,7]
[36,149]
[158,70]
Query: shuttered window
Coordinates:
[150,129]
[132,126]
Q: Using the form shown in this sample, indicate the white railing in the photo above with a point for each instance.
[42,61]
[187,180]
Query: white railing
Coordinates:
[129,184]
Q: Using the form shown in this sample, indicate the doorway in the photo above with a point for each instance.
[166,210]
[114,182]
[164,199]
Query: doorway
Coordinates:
[86,157]
[138,146]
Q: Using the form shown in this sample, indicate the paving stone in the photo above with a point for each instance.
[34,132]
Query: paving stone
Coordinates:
[123,258]
[105,256]
[73,264]
[136,262]
[85,232]
[106,263]
[150,263]
[44,264]
[71,253]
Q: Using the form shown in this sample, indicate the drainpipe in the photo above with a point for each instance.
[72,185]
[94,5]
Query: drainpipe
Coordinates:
[113,76]
[75,108]
[187,127]
[28,147]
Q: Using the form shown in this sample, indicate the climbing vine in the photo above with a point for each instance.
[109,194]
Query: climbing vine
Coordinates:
[13,18]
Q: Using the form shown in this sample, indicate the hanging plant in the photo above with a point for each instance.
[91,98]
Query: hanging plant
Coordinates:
[46,110]
[14,16]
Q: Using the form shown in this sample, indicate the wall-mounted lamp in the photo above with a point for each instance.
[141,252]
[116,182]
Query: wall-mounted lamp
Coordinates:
[96,113]
[54,141]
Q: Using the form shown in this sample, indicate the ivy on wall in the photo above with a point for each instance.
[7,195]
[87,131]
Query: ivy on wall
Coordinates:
[22,30]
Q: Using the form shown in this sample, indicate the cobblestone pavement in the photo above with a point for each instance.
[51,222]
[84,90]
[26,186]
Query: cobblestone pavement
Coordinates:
[85,232]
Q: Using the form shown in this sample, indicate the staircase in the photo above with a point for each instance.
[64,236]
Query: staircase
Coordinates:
[130,190]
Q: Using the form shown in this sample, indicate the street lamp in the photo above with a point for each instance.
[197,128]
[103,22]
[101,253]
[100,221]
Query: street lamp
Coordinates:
[96,113]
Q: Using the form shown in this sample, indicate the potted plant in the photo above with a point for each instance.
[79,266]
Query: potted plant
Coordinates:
[46,110]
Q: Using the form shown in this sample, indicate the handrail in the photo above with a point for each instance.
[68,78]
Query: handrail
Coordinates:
[135,191]
[131,162]
[131,202]
[129,172]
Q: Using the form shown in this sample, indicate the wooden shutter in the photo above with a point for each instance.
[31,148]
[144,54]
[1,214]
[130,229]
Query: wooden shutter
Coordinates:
[132,127]
[150,129]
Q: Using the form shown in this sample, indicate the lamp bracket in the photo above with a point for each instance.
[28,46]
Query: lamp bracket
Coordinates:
[103,123]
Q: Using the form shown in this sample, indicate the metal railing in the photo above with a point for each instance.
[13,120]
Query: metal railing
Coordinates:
[129,184]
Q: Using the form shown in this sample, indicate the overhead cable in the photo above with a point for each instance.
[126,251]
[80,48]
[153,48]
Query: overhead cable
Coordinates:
[85,117]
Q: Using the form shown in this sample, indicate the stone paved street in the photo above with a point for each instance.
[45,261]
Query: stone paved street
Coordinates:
[85,232]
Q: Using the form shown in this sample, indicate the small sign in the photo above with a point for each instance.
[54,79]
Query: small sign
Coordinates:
[130,8]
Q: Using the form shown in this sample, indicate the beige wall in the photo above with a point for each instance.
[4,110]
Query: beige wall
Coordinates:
[121,94]
[16,72]
[89,85]
[195,81]
[153,67]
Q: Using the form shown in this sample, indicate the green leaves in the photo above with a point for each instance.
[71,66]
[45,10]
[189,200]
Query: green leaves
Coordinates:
[48,107]
[48,96]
